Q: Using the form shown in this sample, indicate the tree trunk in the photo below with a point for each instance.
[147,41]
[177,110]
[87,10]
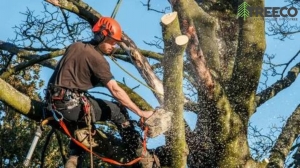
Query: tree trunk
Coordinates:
[226,59]
[175,44]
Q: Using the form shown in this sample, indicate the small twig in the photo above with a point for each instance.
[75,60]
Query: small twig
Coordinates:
[67,24]
[155,10]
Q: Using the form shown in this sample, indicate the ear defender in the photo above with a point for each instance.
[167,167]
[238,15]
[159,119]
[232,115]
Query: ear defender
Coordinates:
[99,36]
[104,30]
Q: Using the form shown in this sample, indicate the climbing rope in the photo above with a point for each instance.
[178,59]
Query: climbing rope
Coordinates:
[128,73]
[113,15]
[108,160]
[87,111]
[116,9]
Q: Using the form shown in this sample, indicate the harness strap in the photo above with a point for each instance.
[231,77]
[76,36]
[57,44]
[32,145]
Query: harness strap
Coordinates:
[86,105]
[65,129]
[87,111]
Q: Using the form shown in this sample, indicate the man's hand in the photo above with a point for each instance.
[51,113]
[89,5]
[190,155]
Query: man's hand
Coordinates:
[159,122]
[146,114]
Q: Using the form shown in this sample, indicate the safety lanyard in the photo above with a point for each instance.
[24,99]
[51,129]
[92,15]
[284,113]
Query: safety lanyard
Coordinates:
[108,160]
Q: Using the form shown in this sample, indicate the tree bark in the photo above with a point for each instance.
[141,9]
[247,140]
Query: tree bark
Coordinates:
[20,102]
[202,73]
[175,44]
[143,66]
[248,63]
[31,62]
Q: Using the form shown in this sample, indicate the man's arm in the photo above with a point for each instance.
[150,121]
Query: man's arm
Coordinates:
[124,99]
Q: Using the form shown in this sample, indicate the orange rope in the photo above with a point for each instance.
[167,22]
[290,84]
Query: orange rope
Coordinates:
[65,129]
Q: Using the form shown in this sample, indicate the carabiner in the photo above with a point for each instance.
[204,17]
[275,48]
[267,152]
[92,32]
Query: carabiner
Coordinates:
[55,116]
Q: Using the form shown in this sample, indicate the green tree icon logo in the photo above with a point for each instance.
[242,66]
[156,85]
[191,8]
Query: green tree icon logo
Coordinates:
[243,11]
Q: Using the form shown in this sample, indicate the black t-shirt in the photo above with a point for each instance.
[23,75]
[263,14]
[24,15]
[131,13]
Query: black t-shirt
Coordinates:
[82,67]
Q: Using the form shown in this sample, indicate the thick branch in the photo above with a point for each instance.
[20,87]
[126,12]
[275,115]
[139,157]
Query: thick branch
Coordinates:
[35,59]
[146,53]
[151,54]
[205,27]
[136,98]
[248,63]
[175,44]
[194,49]
[79,8]
[278,86]
[13,48]
[20,102]
[50,63]
[143,66]
[285,140]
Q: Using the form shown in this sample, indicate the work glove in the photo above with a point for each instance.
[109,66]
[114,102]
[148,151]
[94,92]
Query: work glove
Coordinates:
[158,123]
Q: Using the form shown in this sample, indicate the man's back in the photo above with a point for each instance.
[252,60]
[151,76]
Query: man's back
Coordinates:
[82,67]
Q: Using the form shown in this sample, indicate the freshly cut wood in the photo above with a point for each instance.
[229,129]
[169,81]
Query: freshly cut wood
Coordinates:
[181,40]
[168,18]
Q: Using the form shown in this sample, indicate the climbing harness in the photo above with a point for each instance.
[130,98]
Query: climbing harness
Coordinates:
[58,117]
[114,13]
[108,160]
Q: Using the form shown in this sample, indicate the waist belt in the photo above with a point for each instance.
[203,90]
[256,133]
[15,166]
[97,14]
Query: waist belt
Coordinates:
[67,99]
[65,94]
[64,98]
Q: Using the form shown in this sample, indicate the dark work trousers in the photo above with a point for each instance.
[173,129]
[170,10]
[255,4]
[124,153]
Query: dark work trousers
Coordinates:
[103,111]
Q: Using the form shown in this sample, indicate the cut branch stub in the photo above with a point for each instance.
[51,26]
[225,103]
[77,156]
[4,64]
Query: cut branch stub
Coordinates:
[168,18]
[170,25]
[181,40]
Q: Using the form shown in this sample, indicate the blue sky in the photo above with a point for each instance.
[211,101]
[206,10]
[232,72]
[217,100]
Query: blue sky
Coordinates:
[142,25]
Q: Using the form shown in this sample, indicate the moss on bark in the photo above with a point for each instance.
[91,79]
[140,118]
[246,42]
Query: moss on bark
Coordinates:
[174,99]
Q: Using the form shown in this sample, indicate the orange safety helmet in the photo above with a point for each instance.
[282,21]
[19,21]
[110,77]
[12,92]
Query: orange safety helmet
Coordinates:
[107,26]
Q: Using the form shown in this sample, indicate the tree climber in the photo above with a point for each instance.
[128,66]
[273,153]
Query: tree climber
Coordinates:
[83,67]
